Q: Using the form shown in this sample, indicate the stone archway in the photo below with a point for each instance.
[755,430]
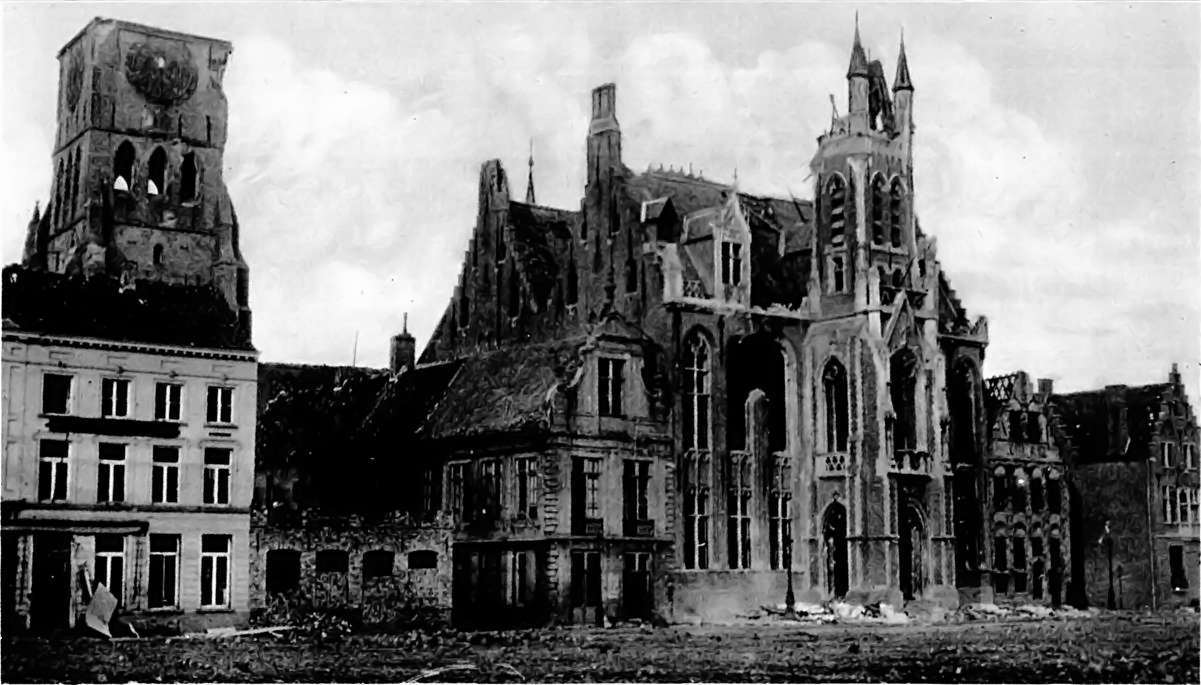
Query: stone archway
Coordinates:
[834,549]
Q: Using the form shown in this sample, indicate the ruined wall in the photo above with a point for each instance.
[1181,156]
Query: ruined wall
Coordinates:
[397,597]
[1113,511]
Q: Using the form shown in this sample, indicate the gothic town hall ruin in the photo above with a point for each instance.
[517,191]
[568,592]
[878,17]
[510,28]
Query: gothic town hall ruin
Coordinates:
[669,397]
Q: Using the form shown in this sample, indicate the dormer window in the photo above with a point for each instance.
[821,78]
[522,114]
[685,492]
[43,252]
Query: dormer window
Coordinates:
[731,263]
[609,381]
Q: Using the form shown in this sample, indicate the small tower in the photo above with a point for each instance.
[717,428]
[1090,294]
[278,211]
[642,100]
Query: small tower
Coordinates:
[403,350]
[529,184]
[857,82]
[902,89]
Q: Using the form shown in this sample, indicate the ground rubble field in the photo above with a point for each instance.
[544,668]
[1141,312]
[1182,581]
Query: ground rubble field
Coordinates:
[1109,647]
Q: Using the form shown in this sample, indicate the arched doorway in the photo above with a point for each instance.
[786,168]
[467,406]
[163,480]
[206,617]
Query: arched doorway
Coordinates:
[912,551]
[834,547]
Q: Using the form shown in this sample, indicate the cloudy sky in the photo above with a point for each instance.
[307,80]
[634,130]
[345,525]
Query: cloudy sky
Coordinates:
[1057,155]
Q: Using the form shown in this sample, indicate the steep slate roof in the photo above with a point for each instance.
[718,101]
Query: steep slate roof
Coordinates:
[401,406]
[537,233]
[1087,418]
[99,307]
[502,390]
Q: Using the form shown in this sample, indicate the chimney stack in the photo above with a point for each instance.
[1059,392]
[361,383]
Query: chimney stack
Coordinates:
[404,349]
[1046,387]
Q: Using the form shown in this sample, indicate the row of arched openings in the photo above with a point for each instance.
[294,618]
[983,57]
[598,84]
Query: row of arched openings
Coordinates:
[156,172]
[886,203]
[1013,489]
[66,194]
[1027,562]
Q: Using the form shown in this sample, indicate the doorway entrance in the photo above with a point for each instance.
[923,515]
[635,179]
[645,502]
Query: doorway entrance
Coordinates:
[834,544]
[637,594]
[50,596]
[912,551]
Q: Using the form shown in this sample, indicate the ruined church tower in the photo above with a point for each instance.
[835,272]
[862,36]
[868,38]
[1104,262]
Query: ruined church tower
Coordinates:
[137,190]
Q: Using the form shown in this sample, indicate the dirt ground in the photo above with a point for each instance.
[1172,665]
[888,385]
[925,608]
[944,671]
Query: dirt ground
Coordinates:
[1118,647]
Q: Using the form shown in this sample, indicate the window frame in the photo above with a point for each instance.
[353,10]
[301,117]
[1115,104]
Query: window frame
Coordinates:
[163,412]
[610,383]
[213,590]
[164,472]
[110,394]
[111,473]
[219,412]
[110,558]
[731,262]
[272,581]
[59,469]
[739,503]
[526,469]
[696,491]
[221,474]
[163,556]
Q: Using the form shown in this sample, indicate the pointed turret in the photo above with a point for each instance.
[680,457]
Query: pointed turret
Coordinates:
[858,65]
[902,82]
[857,85]
[529,184]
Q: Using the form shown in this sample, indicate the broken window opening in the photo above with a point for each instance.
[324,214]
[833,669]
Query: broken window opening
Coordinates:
[283,570]
[123,166]
[878,209]
[837,275]
[378,563]
[902,386]
[157,172]
[423,559]
[1179,578]
[834,386]
[188,177]
[110,564]
[836,191]
[333,561]
[56,393]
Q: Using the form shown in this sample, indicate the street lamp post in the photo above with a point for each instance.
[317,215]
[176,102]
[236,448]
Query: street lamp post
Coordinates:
[789,597]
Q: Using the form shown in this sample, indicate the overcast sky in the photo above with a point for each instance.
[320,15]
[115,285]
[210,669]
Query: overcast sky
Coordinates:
[1057,148]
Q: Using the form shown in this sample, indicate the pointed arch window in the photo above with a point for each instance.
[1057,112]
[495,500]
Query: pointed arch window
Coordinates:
[75,174]
[902,387]
[188,177]
[880,209]
[836,197]
[896,211]
[834,385]
[123,167]
[157,172]
[696,393]
[1037,500]
[57,208]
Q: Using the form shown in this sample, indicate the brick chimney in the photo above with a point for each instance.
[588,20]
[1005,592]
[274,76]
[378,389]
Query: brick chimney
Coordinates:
[404,349]
[1046,387]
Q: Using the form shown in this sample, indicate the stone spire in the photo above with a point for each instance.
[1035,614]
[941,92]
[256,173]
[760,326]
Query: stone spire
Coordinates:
[529,184]
[902,82]
[858,65]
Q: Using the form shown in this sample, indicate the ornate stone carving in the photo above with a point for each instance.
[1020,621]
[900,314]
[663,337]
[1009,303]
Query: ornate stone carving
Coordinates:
[163,76]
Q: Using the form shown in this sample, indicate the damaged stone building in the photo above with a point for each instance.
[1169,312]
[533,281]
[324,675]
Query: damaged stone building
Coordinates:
[331,530]
[1134,479]
[672,398]
[1028,510]
[129,374]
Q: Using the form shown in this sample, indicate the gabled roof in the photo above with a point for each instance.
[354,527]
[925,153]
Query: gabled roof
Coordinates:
[100,307]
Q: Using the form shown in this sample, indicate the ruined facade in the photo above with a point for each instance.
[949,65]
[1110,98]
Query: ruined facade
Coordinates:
[129,375]
[330,525]
[1134,477]
[1028,508]
[782,369]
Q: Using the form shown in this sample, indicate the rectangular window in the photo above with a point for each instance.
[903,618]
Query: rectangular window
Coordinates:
[781,517]
[164,476]
[527,488]
[1182,506]
[114,394]
[164,571]
[53,471]
[585,495]
[220,404]
[609,386]
[696,510]
[1190,456]
[521,578]
[635,488]
[731,263]
[738,531]
[110,484]
[216,474]
[1176,562]
[1165,454]
[283,570]
[110,563]
[585,579]
[491,484]
[168,401]
[456,495]
[214,571]
[56,393]
[1167,501]
[592,469]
